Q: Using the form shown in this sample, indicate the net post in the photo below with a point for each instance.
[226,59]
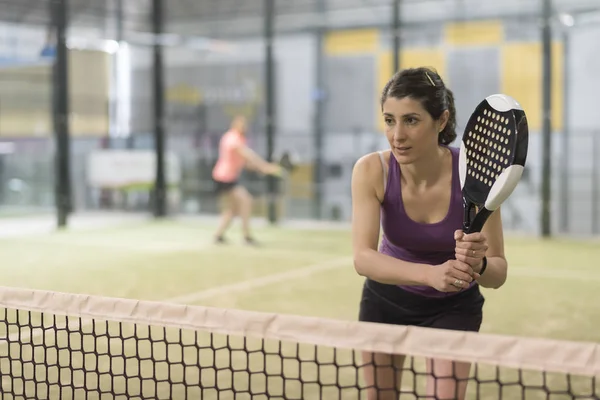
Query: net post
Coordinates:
[269,22]
[159,192]
[60,111]
[319,104]
[547,117]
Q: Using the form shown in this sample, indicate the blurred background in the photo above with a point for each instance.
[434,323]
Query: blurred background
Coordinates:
[110,117]
[166,77]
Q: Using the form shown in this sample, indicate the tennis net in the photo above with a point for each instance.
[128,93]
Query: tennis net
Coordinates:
[69,346]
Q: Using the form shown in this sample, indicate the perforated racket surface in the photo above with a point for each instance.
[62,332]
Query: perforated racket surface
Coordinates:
[492,157]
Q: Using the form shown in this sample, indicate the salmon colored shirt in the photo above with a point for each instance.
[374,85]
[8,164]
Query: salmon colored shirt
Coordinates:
[230,162]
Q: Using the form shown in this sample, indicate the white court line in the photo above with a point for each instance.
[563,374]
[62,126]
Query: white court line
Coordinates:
[339,262]
[28,226]
[286,276]
[249,284]
[549,273]
[304,272]
[150,246]
[156,246]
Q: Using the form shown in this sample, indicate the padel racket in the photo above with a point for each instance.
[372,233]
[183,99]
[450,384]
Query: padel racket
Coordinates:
[492,157]
[287,162]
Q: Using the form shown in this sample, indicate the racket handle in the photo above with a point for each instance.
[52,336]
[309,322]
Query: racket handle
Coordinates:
[478,221]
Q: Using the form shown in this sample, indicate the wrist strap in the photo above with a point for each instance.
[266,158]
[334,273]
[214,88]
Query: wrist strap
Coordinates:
[484,265]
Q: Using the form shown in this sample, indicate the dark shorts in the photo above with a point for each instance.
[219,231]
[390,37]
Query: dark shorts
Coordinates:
[389,304]
[224,187]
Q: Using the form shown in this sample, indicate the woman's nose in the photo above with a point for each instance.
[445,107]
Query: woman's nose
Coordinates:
[399,134]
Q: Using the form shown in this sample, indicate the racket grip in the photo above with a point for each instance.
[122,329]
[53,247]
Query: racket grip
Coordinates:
[478,221]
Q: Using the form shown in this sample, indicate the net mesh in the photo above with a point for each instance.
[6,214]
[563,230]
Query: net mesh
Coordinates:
[57,345]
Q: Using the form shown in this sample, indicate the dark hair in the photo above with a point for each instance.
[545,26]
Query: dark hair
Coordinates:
[426,86]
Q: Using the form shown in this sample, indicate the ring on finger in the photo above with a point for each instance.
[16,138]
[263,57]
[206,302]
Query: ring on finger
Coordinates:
[473,253]
[458,283]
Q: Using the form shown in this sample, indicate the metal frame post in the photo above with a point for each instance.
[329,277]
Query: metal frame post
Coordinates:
[160,192]
[60,112]
[270,120]
[546,193]
[595,183]
[396,36]
[565,159]
[319,129]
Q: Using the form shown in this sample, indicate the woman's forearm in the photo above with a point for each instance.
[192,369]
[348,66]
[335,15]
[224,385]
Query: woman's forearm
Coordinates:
[389,270]
[494,275]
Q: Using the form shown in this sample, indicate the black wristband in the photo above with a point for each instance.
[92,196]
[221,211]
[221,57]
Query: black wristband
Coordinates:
[484,265]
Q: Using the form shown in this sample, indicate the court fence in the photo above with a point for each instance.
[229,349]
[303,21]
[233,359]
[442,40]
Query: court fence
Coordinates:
[27,178]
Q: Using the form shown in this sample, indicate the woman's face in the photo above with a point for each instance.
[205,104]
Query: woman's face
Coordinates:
[410,129]
[239,124]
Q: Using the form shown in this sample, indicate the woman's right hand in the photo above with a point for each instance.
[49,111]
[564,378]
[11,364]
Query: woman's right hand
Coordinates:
[272,169]
[451,276]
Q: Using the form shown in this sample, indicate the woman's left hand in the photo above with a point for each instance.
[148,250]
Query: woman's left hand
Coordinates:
[471,248]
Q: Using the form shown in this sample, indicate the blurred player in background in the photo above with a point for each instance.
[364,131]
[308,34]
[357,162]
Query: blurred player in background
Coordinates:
[426,272]
[234,156]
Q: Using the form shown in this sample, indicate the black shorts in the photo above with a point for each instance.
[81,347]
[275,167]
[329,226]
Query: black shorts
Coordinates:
[224,187]
[390,304]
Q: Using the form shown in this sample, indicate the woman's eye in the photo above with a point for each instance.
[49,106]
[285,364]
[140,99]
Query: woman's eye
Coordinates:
[411,121]
[389,121]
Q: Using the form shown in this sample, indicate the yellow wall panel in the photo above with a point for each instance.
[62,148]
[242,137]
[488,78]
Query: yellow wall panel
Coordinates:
[89,91]
[409,58]
[522,79]
[301,182]
[32,123]
[384,73]
[474,33]
[424,57]
[354,41]
[88,125]
[39,124]
[183,94]
[27,112]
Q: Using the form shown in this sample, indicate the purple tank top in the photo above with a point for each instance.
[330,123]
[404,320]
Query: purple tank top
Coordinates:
[417,242]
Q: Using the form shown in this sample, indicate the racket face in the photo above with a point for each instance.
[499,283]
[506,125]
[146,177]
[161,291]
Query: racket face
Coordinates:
[493,151]
[287,161]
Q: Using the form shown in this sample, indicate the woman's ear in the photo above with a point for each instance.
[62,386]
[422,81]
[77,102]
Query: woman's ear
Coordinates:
[443,121]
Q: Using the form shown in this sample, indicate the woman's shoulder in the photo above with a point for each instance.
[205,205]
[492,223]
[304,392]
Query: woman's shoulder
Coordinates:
[371,163]
[368,172]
